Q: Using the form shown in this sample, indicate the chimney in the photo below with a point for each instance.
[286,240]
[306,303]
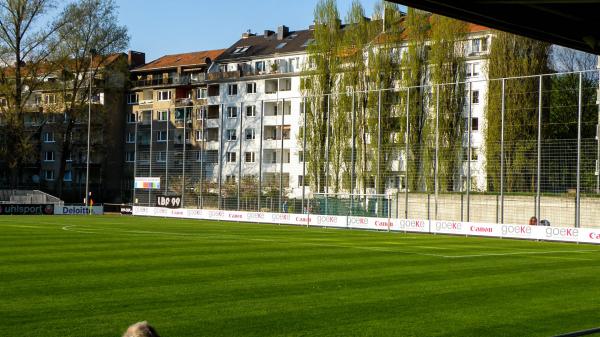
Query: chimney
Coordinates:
[282,32]
[268,33]
[247,34]
[135,58]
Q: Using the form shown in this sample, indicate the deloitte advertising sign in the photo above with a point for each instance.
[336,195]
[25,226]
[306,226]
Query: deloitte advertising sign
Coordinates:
[78,210]
[26,209]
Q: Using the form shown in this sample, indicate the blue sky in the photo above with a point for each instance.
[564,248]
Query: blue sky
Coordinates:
[159,27]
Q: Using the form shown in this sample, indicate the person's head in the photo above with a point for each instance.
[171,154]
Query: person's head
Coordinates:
[141,329]
[533,221]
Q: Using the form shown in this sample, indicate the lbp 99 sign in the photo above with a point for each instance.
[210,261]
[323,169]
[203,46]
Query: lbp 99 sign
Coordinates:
[168,201]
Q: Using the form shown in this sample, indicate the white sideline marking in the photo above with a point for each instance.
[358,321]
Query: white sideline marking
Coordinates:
[88,230]
[518,253]
[24,226]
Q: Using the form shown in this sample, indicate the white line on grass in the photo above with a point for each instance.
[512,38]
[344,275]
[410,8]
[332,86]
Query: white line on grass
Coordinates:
[88,230]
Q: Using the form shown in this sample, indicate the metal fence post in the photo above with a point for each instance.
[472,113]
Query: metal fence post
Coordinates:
[304,155]
[241,137]
[578,201]
[406,141]
[183,157]
[135,156]
[469,151]
[202,155]
[352,155]
[502,154]
[378,181]
[260,152]
[150,159]
[437,146]
[221,157]
[280,206]
[539,154]
[167,153]
[327,156]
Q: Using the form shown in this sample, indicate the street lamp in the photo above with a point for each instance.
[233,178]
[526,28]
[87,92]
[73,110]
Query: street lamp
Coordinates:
[87,173]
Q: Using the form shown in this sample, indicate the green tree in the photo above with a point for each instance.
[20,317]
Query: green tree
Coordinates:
[447,60]
[512,55]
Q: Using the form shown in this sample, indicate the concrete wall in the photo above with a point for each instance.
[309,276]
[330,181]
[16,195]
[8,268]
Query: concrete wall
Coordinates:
[559,210]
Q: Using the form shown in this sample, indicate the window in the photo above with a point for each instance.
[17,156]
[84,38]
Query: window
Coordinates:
[301,156]
[132,98]
[131,118]
[259,66]
[232,112]
[281,45]
[49,174]
[38,99]
[479,45]
[474,124]
[50,99]
[162,115]
[201,113]
[475,97]
[130,156]
[474,154]
[230,179]
[309,41]
[251,111]
[161,156]
[251,88]
[48,137]
[232,89]
[68,176]
[473,69]
[198,135]
[163,95]
[231,157]
[161,136]
[201,93]
[250,157]
[130,137]
[250,134]
[49,156]
[231,135]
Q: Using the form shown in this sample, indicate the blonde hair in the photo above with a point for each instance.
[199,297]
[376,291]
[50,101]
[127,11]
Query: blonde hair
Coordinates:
[141,329]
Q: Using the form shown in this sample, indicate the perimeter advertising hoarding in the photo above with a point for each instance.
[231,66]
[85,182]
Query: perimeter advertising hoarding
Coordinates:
[568,234]
[147,183]
[26,209]
[78,210]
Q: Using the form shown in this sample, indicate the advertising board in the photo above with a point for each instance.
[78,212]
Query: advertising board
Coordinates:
[26,209]
[79,210]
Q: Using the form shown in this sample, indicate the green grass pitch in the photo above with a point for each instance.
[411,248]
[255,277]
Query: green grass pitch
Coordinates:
[95,275]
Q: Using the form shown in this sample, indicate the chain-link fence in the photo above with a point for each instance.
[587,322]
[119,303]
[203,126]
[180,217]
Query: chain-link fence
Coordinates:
[502,150]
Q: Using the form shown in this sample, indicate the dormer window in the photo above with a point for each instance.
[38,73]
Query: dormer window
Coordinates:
[281,45]
[240,50]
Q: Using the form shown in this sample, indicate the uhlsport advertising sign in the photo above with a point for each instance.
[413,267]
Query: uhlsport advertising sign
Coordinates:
[26,209]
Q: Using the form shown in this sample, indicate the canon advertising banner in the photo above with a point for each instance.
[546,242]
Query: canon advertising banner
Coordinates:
[568,234]
[26,209]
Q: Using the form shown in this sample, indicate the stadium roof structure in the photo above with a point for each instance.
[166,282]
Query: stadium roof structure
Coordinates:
[571,23]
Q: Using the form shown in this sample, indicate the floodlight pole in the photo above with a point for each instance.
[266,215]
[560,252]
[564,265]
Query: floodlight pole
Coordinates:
[502,155]
[578,201]
[87,159]
[539,154]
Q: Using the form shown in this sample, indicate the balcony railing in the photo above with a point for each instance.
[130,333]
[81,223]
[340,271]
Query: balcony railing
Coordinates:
[175,80]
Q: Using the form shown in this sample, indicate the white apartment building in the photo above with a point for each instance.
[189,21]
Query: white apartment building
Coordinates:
[248,114]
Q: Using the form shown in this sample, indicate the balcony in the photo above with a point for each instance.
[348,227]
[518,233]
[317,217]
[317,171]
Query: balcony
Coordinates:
[170,81]
[224,75]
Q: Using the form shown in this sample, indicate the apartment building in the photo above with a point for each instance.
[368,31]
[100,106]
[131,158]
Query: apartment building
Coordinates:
[46,122]
[221,122]
[165,108]
[254,97]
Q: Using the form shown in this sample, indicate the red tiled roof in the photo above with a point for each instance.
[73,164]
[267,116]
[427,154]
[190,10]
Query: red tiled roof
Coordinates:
[181,60]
